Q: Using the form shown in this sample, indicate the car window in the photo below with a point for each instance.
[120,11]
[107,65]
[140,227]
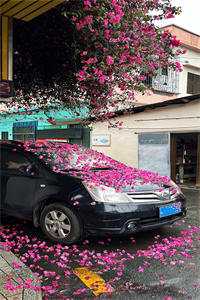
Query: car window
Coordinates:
[14,161]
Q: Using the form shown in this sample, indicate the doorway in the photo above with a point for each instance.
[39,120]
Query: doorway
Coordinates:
[185,158]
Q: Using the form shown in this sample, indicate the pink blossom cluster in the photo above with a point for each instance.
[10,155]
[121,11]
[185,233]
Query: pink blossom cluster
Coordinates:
[118,45]
[86,21]
[120,37]
[81,161]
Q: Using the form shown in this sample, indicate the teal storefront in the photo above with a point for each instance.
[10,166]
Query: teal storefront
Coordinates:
[54,125]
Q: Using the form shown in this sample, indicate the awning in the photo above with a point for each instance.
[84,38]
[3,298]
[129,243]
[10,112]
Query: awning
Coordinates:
[26,10]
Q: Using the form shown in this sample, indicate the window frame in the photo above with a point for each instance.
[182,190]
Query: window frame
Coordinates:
[192,86]
[16,172]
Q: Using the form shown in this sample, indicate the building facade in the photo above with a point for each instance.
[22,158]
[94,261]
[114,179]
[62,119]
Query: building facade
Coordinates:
[62,125]
[170,84]
[162,137]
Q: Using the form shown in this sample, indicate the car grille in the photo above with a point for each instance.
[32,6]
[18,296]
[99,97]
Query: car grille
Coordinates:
[142,196]
[157,196]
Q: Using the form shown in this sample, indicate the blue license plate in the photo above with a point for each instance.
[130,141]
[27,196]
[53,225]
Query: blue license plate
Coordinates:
[170,210]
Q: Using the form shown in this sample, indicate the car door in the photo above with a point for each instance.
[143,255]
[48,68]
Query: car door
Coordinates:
[18,187]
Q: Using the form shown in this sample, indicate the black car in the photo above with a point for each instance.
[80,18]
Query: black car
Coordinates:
[67,208]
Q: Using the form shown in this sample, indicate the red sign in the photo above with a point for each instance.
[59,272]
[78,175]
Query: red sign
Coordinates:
[6,89]
[53,140]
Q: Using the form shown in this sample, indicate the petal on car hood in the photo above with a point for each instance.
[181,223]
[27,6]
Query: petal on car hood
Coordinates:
[62,156]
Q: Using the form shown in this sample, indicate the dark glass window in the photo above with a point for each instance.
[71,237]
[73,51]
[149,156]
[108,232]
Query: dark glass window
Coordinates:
[23,131]
[193,83]
[148,81]
[165,71]
[14,161]
[4,135]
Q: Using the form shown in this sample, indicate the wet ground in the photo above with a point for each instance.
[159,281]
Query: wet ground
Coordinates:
[162,264]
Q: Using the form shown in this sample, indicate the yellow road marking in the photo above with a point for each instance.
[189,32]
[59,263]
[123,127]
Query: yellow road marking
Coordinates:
[92,280]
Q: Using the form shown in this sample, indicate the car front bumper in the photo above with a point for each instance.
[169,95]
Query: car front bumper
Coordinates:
[129,218]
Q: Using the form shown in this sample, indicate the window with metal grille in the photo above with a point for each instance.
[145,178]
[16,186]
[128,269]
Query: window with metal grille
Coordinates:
[4,135]
[164,71]
[193,83]
[148,81]
[23,131]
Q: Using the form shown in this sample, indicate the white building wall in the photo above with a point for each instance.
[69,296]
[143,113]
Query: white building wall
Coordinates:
[124,141]
[166,87]
[191,64]
[192,58]
[6,127]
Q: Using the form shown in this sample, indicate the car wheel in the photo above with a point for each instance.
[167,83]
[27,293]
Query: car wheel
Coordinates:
[60,224]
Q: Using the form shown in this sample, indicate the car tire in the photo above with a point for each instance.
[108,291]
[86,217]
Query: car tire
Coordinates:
[60,224]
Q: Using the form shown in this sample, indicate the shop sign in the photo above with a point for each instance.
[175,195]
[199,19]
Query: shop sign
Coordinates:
[28,124]
[43,127]
[101,140]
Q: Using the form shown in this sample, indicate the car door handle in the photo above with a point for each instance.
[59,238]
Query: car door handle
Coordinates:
[42,185]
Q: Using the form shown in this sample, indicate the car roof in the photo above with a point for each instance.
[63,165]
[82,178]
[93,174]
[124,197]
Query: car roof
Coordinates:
[10,143]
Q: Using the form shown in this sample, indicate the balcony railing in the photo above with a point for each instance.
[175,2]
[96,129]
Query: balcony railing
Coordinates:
[164,82]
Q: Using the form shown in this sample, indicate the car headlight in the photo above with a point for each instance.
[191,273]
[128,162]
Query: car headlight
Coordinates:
[176,190]
[106,194]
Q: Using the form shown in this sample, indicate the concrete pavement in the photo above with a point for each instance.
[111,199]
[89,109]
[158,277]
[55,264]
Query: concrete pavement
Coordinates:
[15,277]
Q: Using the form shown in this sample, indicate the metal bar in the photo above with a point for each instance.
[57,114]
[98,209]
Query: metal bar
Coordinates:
[143,196]
[5,47]
[42,10]
[2,2]
[19,7]
[28,10]
[8,5]
[10,49]
[0,48]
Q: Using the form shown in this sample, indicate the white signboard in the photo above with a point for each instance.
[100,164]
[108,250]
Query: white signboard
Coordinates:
[101,140]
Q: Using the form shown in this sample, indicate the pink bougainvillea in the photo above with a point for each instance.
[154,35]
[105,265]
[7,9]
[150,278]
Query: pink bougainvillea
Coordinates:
[116,45]
[122,45]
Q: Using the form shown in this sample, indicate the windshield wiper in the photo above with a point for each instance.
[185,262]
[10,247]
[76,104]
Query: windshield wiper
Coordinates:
[101,168]
[71,170]
[94,169]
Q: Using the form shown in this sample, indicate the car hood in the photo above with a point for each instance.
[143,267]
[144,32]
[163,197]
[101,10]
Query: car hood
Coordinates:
[124,180]
[96,168]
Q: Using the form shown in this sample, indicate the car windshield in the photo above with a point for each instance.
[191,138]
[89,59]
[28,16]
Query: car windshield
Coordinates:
[92,166]
[67,157]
